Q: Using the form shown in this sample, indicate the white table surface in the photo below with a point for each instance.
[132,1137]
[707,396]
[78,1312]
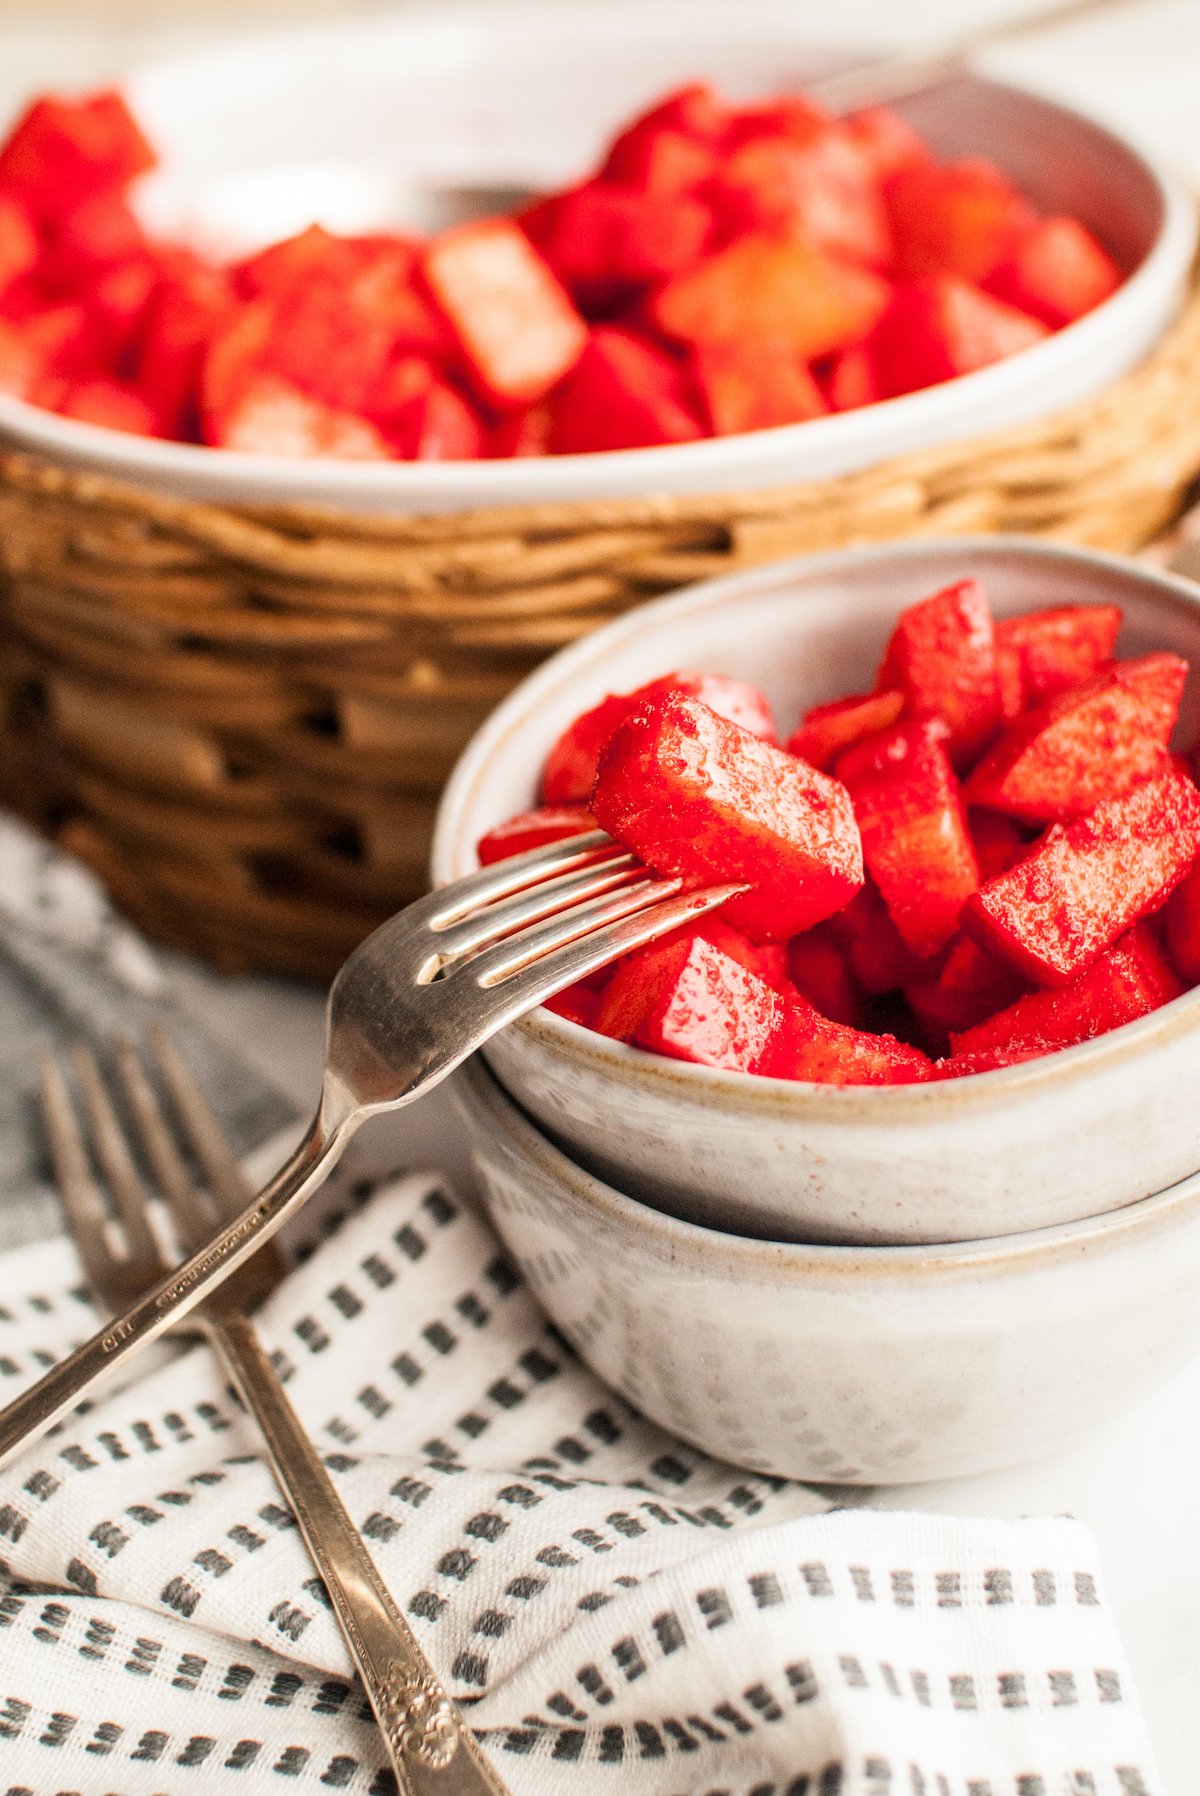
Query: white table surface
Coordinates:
[1135,1483]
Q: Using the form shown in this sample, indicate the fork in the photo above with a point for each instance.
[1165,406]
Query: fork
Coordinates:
[430,1748]
[425,990]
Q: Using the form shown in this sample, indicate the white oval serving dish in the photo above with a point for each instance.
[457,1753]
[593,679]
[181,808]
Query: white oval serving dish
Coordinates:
[344,121]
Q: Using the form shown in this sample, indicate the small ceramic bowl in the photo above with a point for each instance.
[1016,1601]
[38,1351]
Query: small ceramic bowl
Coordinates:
[1071,1135]
[348,123]
[838,1364]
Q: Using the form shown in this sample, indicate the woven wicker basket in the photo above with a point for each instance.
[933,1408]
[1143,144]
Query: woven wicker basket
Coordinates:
[242,719]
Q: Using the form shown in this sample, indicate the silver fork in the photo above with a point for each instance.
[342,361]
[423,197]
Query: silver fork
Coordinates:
[430,1748]
[410,1004]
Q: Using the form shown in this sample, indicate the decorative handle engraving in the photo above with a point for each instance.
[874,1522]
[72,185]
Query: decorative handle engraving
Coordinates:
[420,1717]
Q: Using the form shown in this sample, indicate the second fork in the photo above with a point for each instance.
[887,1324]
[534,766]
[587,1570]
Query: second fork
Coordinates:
[431,1750]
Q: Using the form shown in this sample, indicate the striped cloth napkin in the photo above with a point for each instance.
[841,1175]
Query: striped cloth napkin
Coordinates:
[619,1612]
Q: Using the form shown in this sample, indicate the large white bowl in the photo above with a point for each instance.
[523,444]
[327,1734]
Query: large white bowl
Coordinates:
[342,122]
[851,1365]
[1067,1136]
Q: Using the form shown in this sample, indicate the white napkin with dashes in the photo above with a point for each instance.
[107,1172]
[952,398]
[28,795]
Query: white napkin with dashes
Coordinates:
[619,1612]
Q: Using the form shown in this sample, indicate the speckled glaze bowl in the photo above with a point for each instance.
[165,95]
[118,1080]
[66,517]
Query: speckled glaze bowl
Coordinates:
[841,1364]
[1069,1136]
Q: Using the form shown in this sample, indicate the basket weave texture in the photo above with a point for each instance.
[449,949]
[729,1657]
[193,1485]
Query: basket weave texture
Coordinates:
[242,718]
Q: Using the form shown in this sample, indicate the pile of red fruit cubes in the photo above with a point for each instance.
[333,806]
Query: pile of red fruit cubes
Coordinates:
[727,268]
[965,868]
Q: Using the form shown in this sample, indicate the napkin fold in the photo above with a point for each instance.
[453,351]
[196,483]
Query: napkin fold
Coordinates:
[618,1611]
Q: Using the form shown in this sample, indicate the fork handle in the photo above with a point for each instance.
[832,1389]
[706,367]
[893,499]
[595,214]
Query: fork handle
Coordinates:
[432,1751]
[62,1387]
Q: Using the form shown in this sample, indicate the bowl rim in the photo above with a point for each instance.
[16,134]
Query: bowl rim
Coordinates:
[183,467]
[691,1246]
[733,1091]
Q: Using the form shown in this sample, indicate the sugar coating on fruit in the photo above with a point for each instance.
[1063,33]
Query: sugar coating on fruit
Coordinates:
[1084,884]
[961,886]
[697,796]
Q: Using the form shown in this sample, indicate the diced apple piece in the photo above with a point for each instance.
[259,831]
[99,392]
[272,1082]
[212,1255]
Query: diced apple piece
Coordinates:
[523,432]
[604,241]
[828,729]
[887,141]
[755,385]
[110,404]
[874,950]
[1129,980]
[1085,884]
[61,152]
[942,657]
[63,338]
[294,263]
[823,190]
[810,1047]
[852,381]
[1056,271]
[338,340]
[514,322]
[1182,919]
[272,418]
[663,161]
[914,833]
[779,288]
[120,300]
[938,328]
[969,986]
[821,973]
[100,233]
[191,307]
[961,218]
[578,1003]
[1056,649]
[533,829]
[19,245]
[694,1002]
[1091,743]
[696,112]
[570,770]
[997,840]
[437,424]
[795,117]
[701,798]
[635,988]
[624,393]
[21,364]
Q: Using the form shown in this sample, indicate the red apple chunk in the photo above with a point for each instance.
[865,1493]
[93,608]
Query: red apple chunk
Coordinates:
[699,797]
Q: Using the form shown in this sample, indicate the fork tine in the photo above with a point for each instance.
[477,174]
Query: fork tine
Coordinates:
[516,952]
[228,1185]
[81,1199]
[544,899]
[116,1162]
[184,1200]
[556,967]
[438,910]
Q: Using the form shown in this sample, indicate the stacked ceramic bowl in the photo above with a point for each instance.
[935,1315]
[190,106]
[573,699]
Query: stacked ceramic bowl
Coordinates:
[839,1283]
